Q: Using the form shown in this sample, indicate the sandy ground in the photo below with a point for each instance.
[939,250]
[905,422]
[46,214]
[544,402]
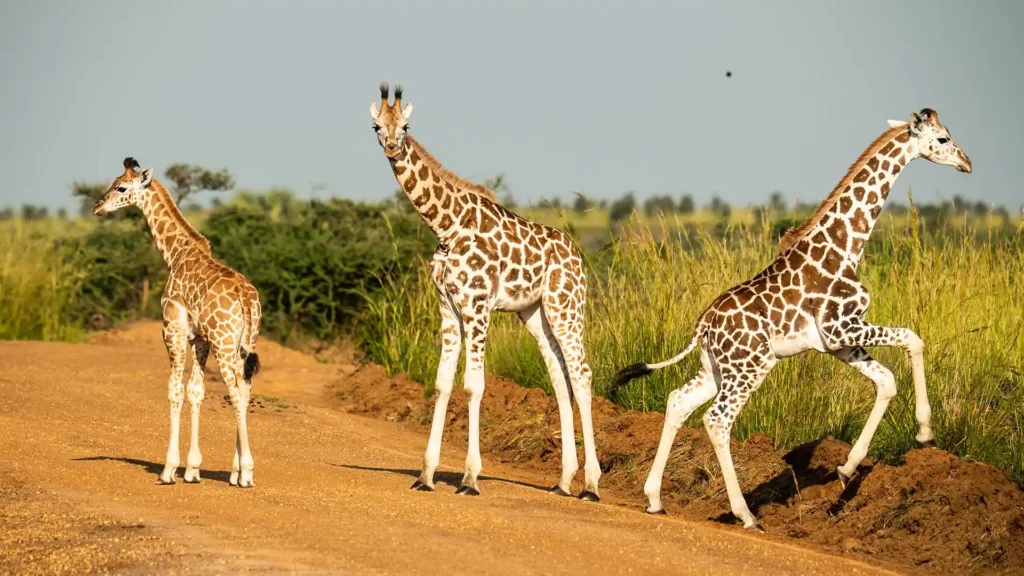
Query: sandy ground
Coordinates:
[83,432]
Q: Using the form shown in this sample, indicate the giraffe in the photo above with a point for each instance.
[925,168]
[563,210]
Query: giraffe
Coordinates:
[489,259]
[206,306]
[808,298]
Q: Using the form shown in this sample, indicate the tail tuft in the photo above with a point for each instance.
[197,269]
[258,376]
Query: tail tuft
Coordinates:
[630,372]
[252,366]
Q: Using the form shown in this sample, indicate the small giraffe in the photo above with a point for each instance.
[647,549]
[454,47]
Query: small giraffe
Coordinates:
[207,306]
[808,298]
[491,259]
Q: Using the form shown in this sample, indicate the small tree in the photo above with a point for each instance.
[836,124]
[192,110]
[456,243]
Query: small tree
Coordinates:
[623,207]
[580,204]
[33,212]
[186,180]
[656,204]
[719,207]
[499,185]
[777,202]
[686,204]
[87,195]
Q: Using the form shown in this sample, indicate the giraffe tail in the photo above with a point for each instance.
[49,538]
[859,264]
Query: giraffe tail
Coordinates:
[642,368]
[247,351]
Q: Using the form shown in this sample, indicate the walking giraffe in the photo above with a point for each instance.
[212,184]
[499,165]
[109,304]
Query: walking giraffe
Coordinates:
[808,298]
[491,259]
[206,305]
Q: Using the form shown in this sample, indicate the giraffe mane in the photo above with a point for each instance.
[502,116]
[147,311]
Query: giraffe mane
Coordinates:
[797,233]
[164,196]
[452,178]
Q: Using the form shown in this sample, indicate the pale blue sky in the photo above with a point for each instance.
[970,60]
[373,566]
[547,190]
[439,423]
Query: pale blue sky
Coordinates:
[561,95]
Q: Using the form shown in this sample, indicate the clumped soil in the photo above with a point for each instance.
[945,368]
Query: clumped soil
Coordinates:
[935,513]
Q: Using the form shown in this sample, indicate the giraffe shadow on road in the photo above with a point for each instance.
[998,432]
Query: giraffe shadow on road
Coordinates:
[155,468]
[453,479]
[804,469]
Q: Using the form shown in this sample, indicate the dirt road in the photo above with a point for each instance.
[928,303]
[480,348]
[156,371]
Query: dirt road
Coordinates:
[83,431]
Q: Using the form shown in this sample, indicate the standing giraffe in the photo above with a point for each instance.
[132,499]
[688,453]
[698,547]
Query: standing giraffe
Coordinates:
[491,259]
[206,305]
[808,298]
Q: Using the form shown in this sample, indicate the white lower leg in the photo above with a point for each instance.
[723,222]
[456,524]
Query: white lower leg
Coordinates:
[475,389]
[591,466]
[719,434]
[923,409]
[681,403]
[570,462]
[195,458]
[245,461]
[443,387]
[886,389]
[235,467]
[173,456]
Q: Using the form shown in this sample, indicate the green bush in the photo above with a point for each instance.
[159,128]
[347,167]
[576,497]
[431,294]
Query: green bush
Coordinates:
[313,261]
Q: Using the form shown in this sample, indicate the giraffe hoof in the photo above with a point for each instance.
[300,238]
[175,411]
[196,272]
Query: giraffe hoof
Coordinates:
[843,478]
[421,487]
[168,482]
[928,444]
[193,480]
[588,496]
[467,491]
[658,512]
[557,491]
[755,527]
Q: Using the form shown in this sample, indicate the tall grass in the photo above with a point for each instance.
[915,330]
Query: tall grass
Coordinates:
[960,292]
[37,286]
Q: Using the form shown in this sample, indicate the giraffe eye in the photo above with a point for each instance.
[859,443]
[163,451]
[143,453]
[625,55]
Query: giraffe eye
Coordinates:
[121,189]
[943,140]
[405,128]
[376,128]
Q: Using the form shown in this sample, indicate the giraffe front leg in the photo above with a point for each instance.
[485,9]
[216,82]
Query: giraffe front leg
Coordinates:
[862,334]
[476,341]
[176,341]
[451,347]
[885,388]
[196,392]
[681,403]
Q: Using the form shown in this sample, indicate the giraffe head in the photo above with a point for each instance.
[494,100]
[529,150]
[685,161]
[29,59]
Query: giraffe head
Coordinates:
[128,189]
[391,121]
[933,141]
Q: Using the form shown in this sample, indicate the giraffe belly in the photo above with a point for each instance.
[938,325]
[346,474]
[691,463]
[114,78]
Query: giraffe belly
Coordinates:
[516,298]
[793,343]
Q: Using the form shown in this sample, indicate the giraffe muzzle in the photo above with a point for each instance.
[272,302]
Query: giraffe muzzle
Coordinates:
[965,163]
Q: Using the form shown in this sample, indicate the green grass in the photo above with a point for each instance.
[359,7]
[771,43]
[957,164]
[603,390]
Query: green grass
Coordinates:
[960,292]
[38,287]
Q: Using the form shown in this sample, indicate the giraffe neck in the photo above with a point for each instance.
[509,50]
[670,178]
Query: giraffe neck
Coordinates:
[173,235]
[443,200]
[845,219]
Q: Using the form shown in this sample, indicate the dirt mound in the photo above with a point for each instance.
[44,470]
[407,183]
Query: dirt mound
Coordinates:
[937,512]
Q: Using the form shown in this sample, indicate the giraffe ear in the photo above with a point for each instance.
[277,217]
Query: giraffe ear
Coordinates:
[407,110]
[374,110]
[147,177]
[896,123]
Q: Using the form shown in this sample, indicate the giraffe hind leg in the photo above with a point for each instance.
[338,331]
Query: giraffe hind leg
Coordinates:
[538,327]
[734,389]
[196,392]
[681,403]
[566,322]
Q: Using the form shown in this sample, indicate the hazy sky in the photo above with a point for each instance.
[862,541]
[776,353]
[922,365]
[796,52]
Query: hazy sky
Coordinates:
[596,96]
